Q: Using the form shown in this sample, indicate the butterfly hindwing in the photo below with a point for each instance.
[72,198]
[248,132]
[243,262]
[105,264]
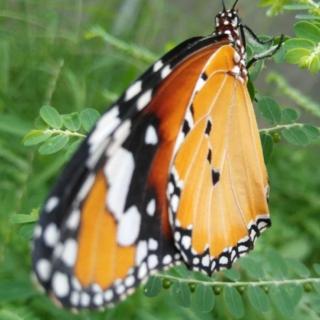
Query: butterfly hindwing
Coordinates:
[218,171]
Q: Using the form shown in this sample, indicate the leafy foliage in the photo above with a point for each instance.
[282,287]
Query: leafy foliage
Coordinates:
[54,69]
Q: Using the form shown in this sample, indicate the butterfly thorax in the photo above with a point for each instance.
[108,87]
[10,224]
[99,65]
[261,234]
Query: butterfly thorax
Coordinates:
[228,23]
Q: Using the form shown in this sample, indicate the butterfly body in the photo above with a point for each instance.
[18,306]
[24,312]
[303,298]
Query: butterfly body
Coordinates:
[173,172]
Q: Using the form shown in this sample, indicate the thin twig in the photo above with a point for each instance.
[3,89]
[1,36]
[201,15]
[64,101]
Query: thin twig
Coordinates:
[280,127]
[53,81]
[298,97]
[242,283]
[139,53]
[64,133]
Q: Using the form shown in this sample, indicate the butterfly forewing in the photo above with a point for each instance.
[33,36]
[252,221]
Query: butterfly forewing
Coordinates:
[105,227]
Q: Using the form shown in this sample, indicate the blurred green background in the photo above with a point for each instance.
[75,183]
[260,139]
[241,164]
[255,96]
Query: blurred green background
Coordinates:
[48,57]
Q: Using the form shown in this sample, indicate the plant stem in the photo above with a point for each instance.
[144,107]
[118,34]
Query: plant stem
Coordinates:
[137,52]
[64,133]
[280,127]
[298,97]
[242,283]
[53,82]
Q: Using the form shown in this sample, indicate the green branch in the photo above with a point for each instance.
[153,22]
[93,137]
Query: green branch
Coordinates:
[298,97]
[281,127]
[135,51]
[64,133]
[242,283]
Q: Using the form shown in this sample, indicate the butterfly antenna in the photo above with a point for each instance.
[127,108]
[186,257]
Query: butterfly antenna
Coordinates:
[235,4]
[223,5]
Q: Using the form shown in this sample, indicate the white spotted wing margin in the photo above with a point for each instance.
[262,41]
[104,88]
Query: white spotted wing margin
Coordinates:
[121,145]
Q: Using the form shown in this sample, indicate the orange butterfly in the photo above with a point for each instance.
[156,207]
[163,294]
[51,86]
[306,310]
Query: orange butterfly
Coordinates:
[172,172]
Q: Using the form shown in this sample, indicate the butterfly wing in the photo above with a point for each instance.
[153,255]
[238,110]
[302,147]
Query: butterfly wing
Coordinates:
[105,227]
[218,183]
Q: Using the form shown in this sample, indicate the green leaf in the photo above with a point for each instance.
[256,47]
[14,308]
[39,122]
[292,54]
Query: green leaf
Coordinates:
[9,315]
[153,287]
[312,132]
[72,148]
[25,218]
[298,268]
[307,30]
[314,66]
[281,299]
[252,268]
[232,274]
[270,110]
[181,293]
[35,137]
[88,118]
[258,299]
[71,121]
[295,136]
[316,268]
[289,115]
[295,292]
[54,144]
[14,290]
[297,7]
[316,286]
[298,43]
[203,299]
[267,145]
[295,56]
[275,265]
[233,301]
[51,116]
[13,125]
[301,135]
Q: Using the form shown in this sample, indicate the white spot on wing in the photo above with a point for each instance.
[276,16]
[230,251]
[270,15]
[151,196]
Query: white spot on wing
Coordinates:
[129,227]
[167,259]
[157,66]
[142,271]
[153,244]
[142,251]
[75,298]
[165,72]
[108,295]
[205,261]
[186,242]
[51,235]
[98,299]
[151,136]
[152,261]
[119,171]
[105,126]
[151,207]
[51,204]
[144,100]
[134,90]
[70,252]
[86,186]
[85,299]
[129,281]
[73,220]
[43,268]
[37,231]
[60,285]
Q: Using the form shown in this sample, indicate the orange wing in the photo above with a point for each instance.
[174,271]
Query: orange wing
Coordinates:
[218,185]
[105,228]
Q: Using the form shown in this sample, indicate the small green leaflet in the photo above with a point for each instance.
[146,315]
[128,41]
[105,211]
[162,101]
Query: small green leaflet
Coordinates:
[203,299]
[233,302]
[51,116]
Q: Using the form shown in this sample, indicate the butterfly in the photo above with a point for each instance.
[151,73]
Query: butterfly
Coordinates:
[173,172]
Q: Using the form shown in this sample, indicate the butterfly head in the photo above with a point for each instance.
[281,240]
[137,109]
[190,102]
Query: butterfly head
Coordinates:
[228,22]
